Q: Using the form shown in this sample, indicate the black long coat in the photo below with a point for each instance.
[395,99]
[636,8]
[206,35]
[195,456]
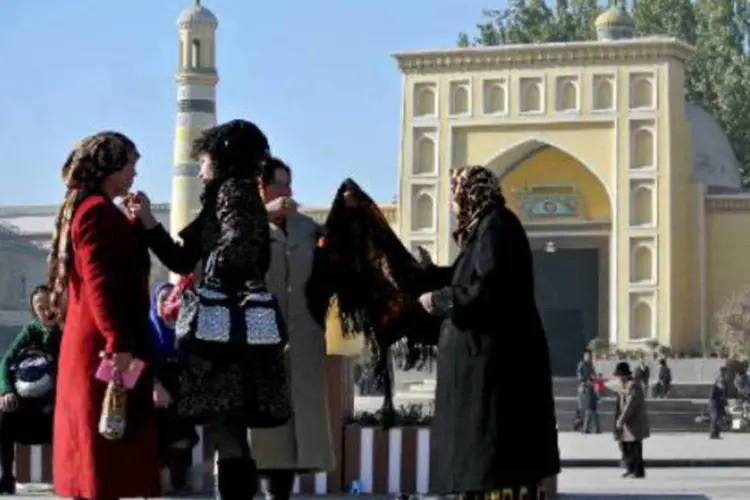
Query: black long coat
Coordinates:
[494,424]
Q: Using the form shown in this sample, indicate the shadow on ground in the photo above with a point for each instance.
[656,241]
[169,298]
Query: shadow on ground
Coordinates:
[633,496]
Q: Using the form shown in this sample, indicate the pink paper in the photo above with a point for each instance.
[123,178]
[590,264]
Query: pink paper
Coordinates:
[106,372]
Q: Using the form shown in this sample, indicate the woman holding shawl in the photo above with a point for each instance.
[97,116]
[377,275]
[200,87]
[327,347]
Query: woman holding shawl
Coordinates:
[483,446]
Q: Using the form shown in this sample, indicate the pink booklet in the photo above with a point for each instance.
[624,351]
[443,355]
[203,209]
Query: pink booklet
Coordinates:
[106,372]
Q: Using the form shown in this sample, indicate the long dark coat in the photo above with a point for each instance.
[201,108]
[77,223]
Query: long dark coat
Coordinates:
[108,305]
[494,424]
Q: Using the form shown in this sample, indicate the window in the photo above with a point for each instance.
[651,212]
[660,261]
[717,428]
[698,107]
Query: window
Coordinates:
[195,54]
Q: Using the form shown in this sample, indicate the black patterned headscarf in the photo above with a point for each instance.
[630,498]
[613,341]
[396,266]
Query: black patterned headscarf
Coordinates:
[476,190]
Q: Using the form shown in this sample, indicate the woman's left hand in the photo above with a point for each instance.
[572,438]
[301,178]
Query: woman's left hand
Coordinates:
[162,399]
[426,301]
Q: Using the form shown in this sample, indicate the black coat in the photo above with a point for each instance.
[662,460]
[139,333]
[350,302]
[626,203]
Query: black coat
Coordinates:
[494,422]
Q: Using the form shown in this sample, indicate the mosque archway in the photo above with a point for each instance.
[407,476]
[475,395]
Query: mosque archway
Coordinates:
[566,209]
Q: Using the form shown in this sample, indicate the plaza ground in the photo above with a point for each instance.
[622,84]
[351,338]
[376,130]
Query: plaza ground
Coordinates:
[606,484]
[704,482]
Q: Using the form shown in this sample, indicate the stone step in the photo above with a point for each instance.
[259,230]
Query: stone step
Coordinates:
[654,405]
[568,387]
[660,422]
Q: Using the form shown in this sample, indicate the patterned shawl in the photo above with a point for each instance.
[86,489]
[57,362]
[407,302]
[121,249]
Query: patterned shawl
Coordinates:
[378,283]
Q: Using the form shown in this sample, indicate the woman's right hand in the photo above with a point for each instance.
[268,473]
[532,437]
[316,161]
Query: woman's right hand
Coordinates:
[121,361]
[140,208]
[8,402]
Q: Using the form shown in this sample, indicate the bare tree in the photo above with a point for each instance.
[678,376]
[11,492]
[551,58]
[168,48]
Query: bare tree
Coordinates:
[732,337]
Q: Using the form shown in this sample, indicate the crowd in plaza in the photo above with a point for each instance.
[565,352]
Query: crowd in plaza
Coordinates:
[118,378]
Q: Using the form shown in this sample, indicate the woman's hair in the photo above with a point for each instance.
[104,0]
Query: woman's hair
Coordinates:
[269,168]
[90,162]
[237,149]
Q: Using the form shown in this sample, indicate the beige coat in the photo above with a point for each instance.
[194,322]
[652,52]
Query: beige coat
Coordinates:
[631,416]
[305,443]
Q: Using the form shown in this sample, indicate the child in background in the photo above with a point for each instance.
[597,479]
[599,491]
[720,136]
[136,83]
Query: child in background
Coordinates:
[177,437]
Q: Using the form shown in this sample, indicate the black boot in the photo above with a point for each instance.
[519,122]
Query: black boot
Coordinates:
[238,479]
[7,485]
[280,484]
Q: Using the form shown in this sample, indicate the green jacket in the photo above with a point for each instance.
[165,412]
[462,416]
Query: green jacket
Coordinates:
[33,335]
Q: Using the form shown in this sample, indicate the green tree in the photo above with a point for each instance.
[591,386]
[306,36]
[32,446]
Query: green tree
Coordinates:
[717,76]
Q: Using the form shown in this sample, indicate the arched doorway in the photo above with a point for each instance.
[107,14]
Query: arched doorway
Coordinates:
[567,212]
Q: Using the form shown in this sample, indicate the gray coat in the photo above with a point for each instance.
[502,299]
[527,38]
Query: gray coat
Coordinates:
[631,414]
[305,443]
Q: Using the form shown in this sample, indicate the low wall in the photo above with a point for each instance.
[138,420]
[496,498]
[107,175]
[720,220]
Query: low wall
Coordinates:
[386,462]
[694,370]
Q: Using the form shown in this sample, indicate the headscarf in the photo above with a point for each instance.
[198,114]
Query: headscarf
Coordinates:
[162,336]
[91,161]
[476,191]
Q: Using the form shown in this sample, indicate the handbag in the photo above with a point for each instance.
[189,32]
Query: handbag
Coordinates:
[212,314]
[234,343]
[113,417]
[34,375]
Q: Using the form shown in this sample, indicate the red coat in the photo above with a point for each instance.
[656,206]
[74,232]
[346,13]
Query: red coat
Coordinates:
[108,307]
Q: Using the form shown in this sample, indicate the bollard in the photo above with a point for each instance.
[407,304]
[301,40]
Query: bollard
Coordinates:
[356,487]
[217,496]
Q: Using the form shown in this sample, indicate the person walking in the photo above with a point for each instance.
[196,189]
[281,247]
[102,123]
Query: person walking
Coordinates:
[98,276]
[631,421]
[642,375]
[717,403]
[304,444]
[585,373]
[482,445]
[663,380]
[591,410]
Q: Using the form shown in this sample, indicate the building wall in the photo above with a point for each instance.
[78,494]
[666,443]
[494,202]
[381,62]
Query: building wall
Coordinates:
[608,107]
[728,248]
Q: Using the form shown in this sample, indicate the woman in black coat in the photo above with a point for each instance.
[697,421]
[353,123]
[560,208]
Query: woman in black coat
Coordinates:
[494,425]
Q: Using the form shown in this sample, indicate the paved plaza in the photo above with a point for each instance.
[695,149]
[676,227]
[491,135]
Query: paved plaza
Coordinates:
[704,482]
[733,447]
[606,484]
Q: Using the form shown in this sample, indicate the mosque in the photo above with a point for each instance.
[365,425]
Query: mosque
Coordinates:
[631,196]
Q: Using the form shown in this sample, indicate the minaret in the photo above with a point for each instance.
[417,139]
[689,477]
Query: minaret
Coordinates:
[196,107]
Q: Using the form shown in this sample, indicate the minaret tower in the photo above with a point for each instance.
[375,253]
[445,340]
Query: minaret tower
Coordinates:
[196,98]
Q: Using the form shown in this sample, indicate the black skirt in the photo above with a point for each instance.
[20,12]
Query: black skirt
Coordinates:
[30,424]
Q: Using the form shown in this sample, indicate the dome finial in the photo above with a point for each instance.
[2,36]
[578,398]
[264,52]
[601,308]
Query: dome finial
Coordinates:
[614,24]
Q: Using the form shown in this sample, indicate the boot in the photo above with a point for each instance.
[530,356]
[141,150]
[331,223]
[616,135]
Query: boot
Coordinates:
[238,479]
[7,485]
[280,484]
[179,465]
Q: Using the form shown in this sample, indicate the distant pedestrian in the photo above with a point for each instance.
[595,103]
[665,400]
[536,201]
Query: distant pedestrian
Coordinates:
[663,380]
[717,403]
[642,375]
[631,421]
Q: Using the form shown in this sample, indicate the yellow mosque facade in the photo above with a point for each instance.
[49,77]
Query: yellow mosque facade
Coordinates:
[631,197]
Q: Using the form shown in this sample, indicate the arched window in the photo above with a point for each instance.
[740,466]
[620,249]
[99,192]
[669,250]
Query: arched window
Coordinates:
[195,54]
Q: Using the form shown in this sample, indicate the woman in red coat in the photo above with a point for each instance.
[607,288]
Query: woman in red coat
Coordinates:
[98,273]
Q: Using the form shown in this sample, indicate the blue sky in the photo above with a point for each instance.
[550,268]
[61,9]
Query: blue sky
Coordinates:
[299,68]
